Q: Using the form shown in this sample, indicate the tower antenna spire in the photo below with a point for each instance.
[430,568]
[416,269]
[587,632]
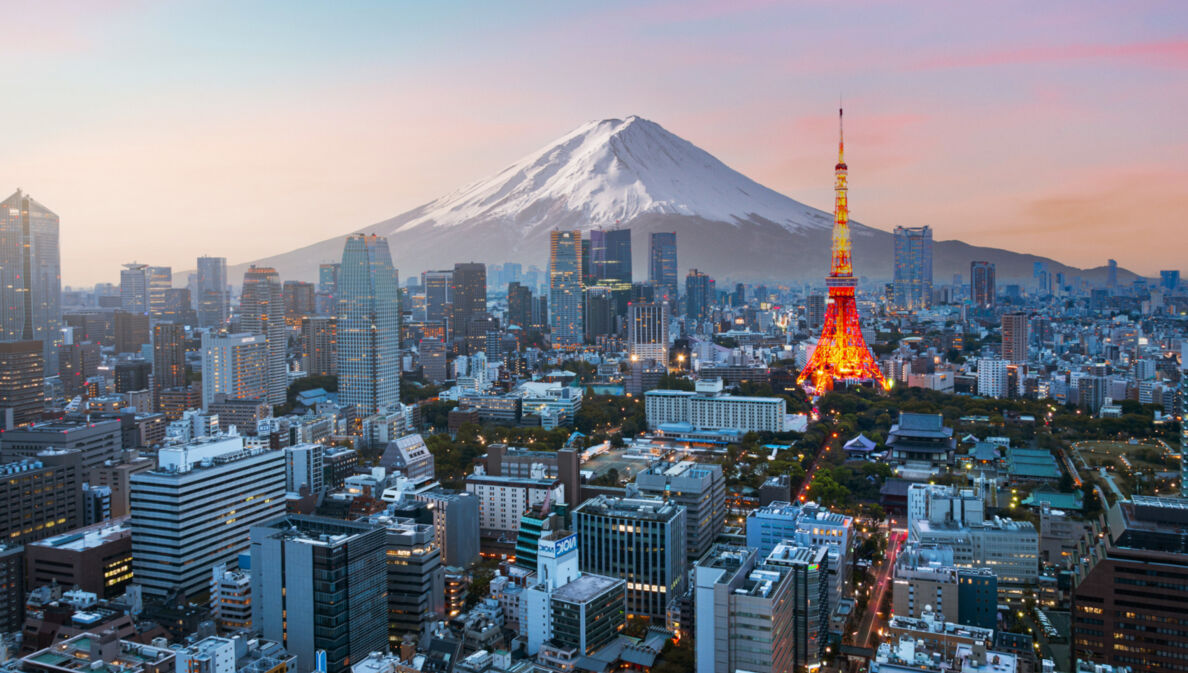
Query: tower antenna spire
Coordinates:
[841,137]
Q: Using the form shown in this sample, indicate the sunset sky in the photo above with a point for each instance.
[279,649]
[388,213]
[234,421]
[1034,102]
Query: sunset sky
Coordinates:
[160,131]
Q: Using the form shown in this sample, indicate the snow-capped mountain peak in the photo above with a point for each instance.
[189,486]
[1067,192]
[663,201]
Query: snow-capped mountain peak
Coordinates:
[608,171]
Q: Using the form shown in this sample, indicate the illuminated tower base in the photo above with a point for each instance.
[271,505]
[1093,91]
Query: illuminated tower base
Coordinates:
[841,353]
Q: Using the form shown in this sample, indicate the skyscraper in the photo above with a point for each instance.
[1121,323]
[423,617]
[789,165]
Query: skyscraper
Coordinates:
[1112,274]
[913,268]
[662,265]
[610,255]
[469,295]
[169,356]
[1015,337]
[319,345]
[598,316]
[30,276]
[299,301]
[647,332]
[519,305]
[698,298]
[131,331]
[1170,279]
[565,288]
[262,311]
[981,284]
[437,295]
[211,291]
[326,299]
[160,281]
[134,288]
[368,325]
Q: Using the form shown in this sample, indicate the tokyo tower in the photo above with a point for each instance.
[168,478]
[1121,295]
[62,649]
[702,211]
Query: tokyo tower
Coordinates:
[841,353]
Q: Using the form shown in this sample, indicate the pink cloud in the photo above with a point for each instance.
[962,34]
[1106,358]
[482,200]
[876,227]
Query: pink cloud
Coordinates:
[1169,53]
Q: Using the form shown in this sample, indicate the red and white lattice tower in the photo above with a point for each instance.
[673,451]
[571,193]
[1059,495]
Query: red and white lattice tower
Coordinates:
[841,353]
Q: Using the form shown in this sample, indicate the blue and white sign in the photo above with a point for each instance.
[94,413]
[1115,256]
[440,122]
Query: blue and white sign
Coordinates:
[559,548]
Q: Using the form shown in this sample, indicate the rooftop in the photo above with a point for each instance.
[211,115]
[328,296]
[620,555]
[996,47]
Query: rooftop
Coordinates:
[637,508]
[89,537]
[586,588]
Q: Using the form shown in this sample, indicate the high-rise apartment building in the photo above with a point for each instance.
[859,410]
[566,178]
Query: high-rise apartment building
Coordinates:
[368,325]
[992,378]
[319,345]
[235,365]
[194,511]
[565,288]
[639,540]
[662,265]
[321,584]
[1015,337]
[22,382]
[210,292]
[983,294]
[913,268]
[262,312]
[647,332]
[468,293]
[134,288]
[30,276]
[698,294]
[815,311]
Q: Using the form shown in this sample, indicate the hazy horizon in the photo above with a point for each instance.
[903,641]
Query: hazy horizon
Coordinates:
[161,132]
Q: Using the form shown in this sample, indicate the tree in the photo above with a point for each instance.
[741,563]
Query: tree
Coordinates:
[671,382]
[676,658]
[826,490]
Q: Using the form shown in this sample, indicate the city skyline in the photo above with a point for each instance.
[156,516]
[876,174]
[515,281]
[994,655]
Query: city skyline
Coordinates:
[1060,145]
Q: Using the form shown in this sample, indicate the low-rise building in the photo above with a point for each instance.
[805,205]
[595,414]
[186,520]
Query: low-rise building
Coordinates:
[97,559]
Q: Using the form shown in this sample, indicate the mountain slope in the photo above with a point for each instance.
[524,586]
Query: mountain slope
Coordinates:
[633,173]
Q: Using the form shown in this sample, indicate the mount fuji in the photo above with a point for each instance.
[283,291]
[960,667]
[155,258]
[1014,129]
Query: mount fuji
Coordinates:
[633,173]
